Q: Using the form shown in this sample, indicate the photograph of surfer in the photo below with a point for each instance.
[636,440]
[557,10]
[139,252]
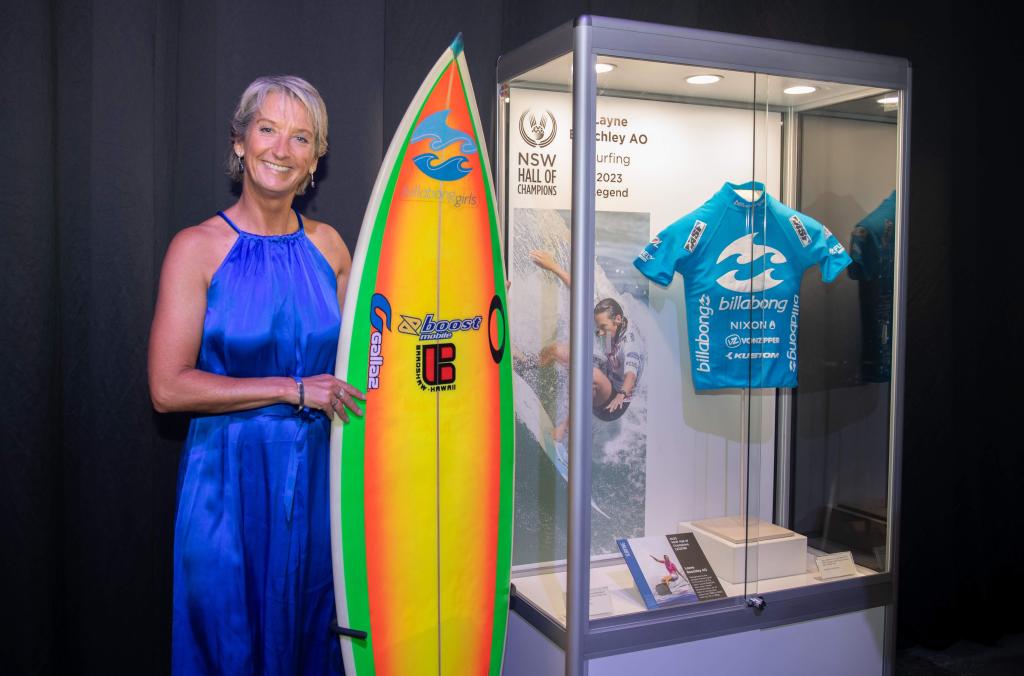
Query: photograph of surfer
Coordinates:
[619,356]
[244,337]
[670,567]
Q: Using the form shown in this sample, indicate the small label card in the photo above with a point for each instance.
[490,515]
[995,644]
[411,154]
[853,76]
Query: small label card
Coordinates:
[836,565]
[600,602]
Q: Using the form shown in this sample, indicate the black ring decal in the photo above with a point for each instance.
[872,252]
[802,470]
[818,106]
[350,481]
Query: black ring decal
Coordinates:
[497,353]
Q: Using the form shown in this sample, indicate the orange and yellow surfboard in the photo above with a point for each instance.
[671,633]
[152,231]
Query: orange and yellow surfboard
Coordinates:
[422,484]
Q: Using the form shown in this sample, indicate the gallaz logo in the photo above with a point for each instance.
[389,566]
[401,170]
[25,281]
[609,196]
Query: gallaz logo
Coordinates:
[538,130]
[429,328]
[380,317]
[435,367]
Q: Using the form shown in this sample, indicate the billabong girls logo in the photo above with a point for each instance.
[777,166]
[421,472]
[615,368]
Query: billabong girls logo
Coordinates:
[435,127]
[538,129]
[380,317]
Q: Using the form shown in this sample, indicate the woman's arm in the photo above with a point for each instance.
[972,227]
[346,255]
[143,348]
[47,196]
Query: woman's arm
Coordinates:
[545,260]
[175,384]
[334,249]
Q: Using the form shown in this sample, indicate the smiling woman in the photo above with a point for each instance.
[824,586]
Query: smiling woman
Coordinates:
[295,115]
[244,335]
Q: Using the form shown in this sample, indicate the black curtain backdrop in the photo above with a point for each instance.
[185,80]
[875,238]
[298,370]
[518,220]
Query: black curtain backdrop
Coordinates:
[114,126]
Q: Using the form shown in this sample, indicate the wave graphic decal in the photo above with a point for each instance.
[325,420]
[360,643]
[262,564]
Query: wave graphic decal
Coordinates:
[435,128]
[451,169]
[746,252]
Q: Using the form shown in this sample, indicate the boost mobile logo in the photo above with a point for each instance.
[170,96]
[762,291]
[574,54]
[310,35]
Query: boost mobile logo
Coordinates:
[746,252]
[537,130]
[429,328]
[380,317]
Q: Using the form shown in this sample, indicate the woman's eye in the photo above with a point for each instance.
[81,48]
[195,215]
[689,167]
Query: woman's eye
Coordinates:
[266,130]
[302,139]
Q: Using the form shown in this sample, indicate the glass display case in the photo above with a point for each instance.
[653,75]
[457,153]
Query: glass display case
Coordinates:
[705,238]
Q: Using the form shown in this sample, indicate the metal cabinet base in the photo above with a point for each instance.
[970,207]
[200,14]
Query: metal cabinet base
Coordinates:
[849,644]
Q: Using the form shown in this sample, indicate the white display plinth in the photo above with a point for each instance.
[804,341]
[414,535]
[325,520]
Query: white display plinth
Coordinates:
[778,557]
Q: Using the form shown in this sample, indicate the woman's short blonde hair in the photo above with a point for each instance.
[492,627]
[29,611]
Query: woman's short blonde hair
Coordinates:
[251,101]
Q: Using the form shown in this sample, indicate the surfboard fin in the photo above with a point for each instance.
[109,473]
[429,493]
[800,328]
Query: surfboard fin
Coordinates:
[345,631]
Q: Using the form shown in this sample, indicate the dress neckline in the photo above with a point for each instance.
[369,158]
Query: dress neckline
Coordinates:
[244,233]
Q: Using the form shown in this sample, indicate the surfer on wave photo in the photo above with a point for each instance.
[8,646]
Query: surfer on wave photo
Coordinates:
[244,338]
[619,356]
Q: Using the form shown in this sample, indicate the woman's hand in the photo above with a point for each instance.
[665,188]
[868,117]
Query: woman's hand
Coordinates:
[616,403]
[543,259]
[332,396]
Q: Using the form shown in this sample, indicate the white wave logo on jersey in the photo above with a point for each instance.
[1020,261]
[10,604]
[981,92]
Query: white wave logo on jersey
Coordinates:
[746,252]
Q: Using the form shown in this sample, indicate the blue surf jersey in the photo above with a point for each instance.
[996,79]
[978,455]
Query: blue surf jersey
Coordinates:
[742,262]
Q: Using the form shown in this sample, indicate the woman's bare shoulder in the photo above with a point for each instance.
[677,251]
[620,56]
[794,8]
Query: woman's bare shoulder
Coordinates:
[202,247]
[330,244]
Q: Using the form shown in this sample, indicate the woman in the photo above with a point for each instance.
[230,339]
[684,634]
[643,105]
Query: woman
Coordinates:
[244,335]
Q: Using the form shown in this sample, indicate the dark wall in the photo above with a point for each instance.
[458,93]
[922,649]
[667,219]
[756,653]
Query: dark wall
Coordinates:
[114,124]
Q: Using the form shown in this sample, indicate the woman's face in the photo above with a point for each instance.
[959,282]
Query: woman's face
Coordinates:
[605,324]
[278,146]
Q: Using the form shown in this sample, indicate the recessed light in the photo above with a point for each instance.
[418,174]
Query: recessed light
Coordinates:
[800,89]
[599,68]
[889,100]
[703,79]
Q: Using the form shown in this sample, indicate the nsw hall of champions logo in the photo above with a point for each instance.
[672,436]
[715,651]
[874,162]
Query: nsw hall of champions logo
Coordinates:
[537,129]
[435,127]
[746,252]
[380,317]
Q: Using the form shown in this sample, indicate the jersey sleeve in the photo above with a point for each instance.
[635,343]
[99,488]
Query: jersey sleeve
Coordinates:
[671,250]
[816,243]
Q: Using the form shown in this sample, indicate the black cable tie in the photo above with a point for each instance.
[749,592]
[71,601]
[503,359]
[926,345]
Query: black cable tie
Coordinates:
[345,631]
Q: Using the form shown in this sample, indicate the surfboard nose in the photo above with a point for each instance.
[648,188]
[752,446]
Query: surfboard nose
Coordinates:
[456,45]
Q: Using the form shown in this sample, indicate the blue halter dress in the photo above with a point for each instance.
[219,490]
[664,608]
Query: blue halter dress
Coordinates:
[253,591]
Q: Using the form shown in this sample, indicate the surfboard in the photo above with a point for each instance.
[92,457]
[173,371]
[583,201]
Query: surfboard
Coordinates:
[422,483]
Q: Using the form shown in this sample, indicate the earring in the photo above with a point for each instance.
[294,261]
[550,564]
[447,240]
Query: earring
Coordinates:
[241,165]
[312,180]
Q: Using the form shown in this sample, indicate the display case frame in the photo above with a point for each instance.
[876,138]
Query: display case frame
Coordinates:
[586,38]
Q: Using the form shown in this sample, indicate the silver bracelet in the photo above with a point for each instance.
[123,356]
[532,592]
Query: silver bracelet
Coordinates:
[302,393]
